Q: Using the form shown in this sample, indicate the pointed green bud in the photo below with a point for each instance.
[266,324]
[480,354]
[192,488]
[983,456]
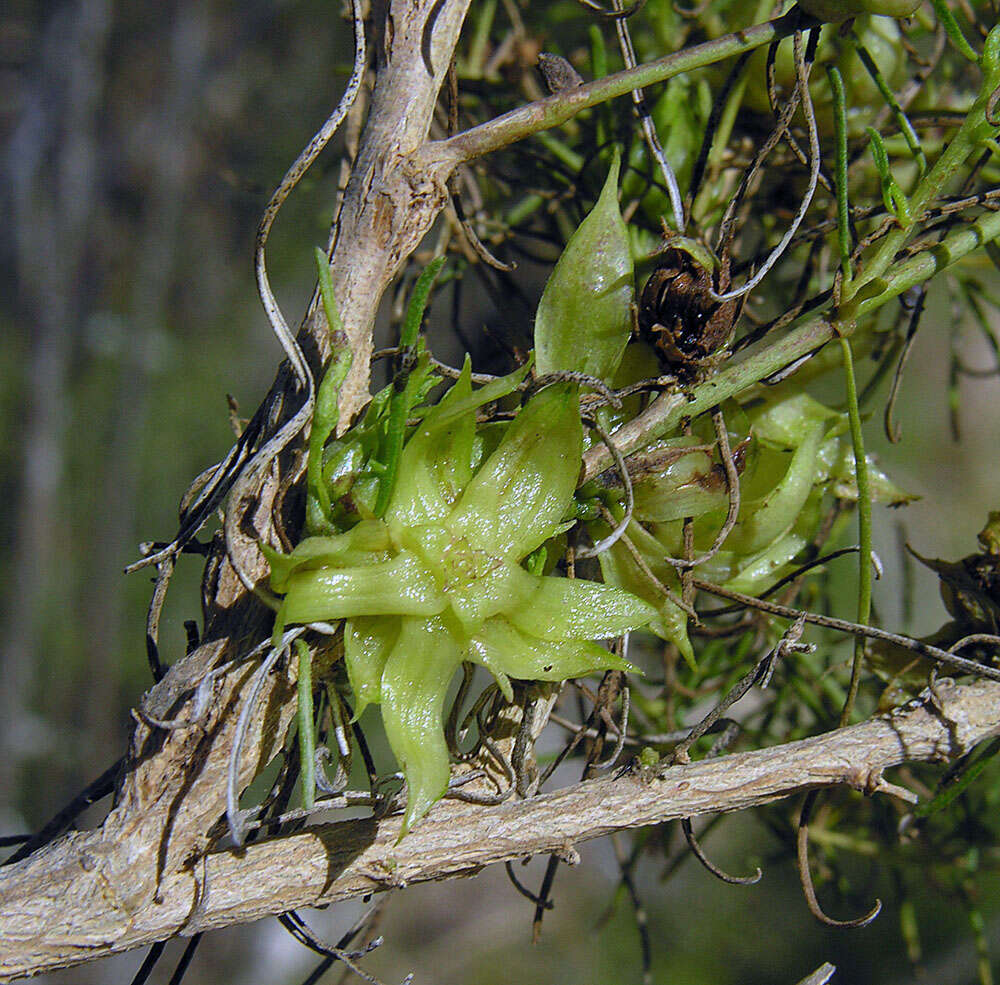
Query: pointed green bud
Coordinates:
[436,463]
[583,321]
[401,586]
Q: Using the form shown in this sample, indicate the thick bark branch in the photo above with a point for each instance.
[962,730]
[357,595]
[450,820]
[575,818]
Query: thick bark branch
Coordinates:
[91,895]
[391,199]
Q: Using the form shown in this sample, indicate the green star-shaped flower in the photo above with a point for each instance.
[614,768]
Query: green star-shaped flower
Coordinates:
[439,579]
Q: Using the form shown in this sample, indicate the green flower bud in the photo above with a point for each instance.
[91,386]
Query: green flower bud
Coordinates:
[439,580]
[583,322]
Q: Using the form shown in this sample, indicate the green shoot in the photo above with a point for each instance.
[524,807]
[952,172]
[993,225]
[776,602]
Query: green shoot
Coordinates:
[307,733]
[403,397]
[327,412]
[840,178]
[864,526]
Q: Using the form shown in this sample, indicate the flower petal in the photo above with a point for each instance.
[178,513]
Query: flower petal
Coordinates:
[571,609]
[402,586]
[436,463]
[368,641]
[619,568]
[507,652]
[414,684]
[522,491]
[767,519]
[366,543]
[681,482]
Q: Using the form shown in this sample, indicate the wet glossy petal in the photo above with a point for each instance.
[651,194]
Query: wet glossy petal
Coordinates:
[783,423]
[518,497]
[680,479]
[368,641]
[366,543]
[507,652]
[414,683]
[765,520]
[436,463]
[568,609]
[401,586]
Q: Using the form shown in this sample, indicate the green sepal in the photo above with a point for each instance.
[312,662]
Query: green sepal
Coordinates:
[401,586]
[437,461]
[507,652]
[767,519]
[414,683]
[368,641]
[784,423]
[572,609]
[519,495]
[364,544]
[583,322]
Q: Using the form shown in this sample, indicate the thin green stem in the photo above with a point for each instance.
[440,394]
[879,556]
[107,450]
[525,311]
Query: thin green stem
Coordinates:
[864,526]
[307,733]
[404,393]
[967,139]
[707,199]
[544,114]
[418,302]
[840,177]
[902,120]
[664,415]
[947,20]
[925,265]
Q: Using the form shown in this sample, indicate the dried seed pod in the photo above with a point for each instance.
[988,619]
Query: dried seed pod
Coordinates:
[558,73]
[679,317]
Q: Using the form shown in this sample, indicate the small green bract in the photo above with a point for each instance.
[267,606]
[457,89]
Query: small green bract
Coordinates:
[439,578]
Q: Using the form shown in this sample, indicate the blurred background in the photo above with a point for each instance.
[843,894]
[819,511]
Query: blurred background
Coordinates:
[140,143]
